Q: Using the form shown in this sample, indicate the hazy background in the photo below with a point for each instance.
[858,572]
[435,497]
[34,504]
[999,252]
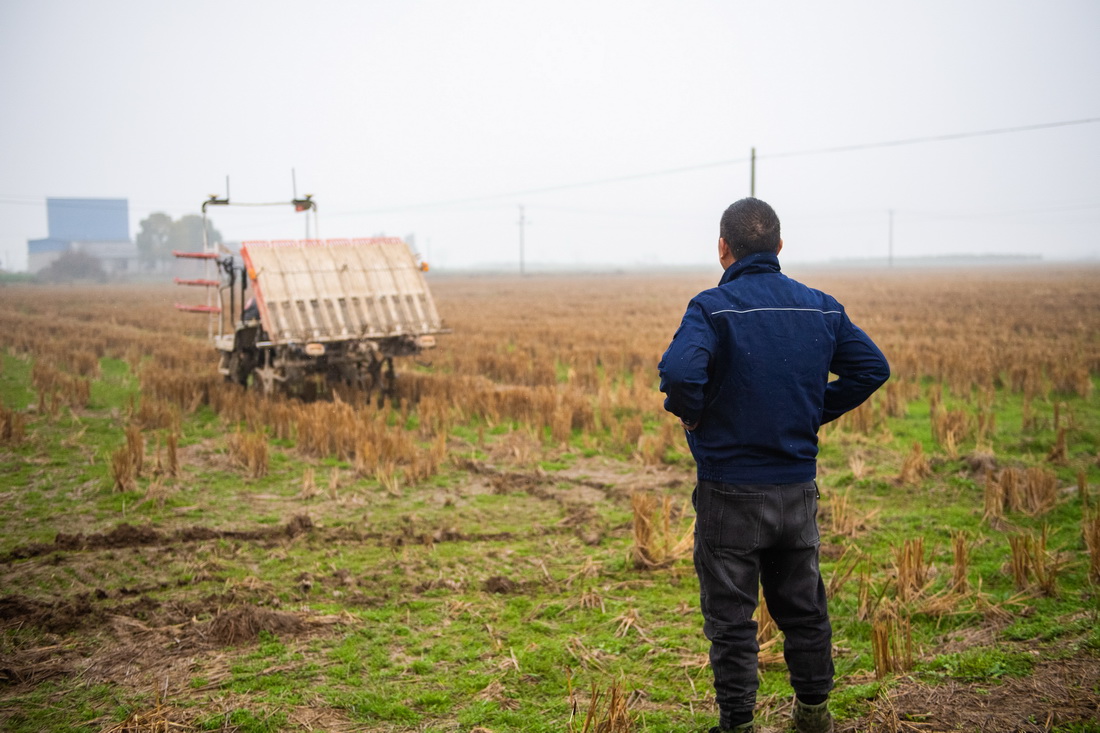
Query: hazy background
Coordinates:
[440,119]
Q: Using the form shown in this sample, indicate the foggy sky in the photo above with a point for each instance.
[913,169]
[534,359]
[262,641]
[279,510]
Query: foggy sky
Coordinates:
[440,119]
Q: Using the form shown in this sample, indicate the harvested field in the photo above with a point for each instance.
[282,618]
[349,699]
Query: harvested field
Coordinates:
[506,546]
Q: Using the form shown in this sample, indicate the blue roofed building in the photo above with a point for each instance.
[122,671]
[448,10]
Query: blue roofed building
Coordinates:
[97,227]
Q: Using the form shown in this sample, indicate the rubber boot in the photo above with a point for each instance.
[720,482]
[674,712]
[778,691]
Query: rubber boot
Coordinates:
[812,718]
[743,728]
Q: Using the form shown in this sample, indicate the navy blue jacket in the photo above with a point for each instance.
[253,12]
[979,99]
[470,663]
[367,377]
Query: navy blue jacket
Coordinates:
[750,367]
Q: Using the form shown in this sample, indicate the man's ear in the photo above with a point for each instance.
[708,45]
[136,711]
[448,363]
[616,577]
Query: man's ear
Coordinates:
[780,247]
[725,255]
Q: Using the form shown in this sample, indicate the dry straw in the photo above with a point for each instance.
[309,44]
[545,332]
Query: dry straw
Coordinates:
[1040,491]
[868,602]
[56,388]
[912,573]
[157,492]
[655,545]
[158,719]
[627,433]
[136,445]
[250,452]
[309,485]
[766,628]
[915,467]
[959,582]
[994,497]
[172,442]
[156,413]
[1032,567]
[122,469]
[127,461]
[1021,560]
[387,476]
[845,566]
[861,420]
[841,517]
[987,422]
[951,426]
[628,622]
[12,427]
[858,465]
[891,643]
[1057,452]
[607,711]
[652,450]
[1092,541]
[1033,491]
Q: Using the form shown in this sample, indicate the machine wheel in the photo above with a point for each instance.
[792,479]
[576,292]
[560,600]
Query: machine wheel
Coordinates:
[381,379]
[241,364]
[266,378]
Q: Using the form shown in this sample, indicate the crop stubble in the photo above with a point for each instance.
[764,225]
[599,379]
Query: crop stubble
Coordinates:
[537,368]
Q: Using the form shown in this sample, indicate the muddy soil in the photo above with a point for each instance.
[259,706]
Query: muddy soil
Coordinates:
[128,535]
[1059,692]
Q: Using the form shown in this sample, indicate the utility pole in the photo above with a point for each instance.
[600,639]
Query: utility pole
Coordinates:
[890,251]
[752,173]
[522,224]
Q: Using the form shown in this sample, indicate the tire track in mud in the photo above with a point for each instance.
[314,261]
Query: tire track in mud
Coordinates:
[98,632]
[91,608]
[534,483]
[127,535]
[578,501]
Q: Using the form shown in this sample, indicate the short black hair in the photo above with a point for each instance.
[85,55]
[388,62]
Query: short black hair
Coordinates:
[750,225]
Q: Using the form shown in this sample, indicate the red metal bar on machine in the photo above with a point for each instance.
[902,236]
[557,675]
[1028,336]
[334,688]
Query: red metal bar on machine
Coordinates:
[199,308]
[195,255]
[200,283]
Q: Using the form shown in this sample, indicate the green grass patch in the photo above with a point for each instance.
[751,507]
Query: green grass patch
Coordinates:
[981,664]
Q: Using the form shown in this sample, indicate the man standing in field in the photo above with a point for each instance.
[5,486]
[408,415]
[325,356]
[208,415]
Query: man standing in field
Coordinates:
[747,373]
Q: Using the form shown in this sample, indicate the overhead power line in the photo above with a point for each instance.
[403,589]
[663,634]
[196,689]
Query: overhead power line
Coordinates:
[443,203]
[722,163]
[544,189]
[23,200]
[931,138]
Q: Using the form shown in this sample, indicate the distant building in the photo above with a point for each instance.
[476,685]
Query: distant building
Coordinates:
[98,227]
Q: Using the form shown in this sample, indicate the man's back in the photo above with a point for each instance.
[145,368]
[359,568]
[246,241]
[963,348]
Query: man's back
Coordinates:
[750,365]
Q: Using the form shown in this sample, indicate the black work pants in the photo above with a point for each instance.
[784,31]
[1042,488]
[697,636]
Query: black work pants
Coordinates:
[748,536]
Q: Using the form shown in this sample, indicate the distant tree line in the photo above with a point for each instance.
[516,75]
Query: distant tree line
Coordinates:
[160,235]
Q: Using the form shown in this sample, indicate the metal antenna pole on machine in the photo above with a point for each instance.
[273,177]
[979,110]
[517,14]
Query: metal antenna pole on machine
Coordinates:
[752,173]
[294,192]
[207,249]
[306,204]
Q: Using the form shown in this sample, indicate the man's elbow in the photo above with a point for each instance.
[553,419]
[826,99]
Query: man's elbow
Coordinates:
[674,378]
[681,399]
[883,372]
[881,375]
